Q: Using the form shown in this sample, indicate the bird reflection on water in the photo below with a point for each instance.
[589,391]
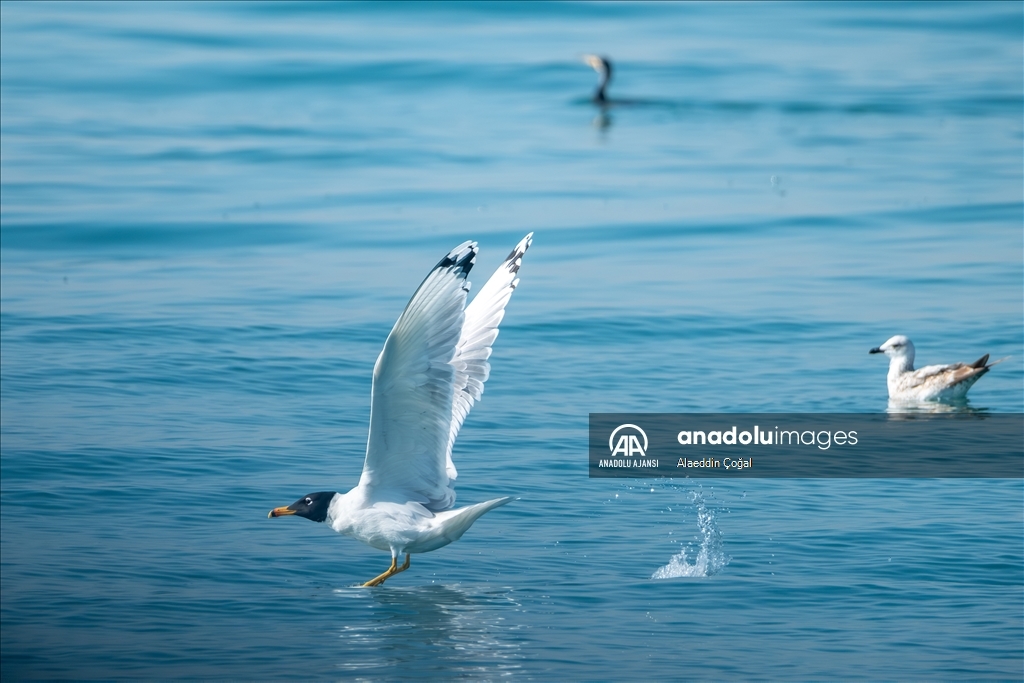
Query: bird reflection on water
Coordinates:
[896,408]
[449,630]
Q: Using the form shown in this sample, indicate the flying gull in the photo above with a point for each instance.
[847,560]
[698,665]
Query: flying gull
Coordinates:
[932,382]
[429,374]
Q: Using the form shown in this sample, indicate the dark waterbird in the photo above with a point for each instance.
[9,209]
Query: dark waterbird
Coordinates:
[603,67]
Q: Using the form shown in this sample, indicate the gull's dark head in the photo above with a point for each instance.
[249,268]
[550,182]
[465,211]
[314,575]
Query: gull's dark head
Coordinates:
[311,506]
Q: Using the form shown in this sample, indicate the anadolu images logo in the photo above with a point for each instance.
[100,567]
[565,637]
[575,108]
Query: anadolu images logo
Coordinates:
[628,445]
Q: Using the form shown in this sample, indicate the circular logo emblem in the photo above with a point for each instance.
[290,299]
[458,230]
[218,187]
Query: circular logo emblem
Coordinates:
[625,440]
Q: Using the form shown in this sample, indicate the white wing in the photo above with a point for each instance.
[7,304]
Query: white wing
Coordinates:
[429,374]
[480,329]
[413,389]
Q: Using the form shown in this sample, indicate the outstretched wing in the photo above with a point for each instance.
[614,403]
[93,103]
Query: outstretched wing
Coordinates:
[480,329]
[413,388]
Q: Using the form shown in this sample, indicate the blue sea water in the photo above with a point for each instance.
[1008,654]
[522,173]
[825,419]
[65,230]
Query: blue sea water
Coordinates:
[212,214]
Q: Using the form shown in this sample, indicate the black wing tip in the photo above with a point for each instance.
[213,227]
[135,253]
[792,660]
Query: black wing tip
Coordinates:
[460,259]
[981,362]
[515,257]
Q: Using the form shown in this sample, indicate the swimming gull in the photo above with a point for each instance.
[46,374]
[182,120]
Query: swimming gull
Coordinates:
[930,383]
[429,374]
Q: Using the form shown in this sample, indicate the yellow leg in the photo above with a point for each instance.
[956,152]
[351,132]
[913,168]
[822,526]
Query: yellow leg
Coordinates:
[376,581]
[391,571]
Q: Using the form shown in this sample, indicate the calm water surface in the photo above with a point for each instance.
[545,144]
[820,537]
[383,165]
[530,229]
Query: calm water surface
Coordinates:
[212,214]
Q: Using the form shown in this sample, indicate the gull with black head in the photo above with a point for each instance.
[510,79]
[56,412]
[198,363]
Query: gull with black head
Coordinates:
[429,374]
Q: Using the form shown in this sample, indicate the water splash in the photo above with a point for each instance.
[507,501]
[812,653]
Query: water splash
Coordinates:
[710,557]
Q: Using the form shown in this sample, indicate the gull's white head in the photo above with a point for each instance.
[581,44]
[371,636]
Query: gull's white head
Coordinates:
[898,348]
